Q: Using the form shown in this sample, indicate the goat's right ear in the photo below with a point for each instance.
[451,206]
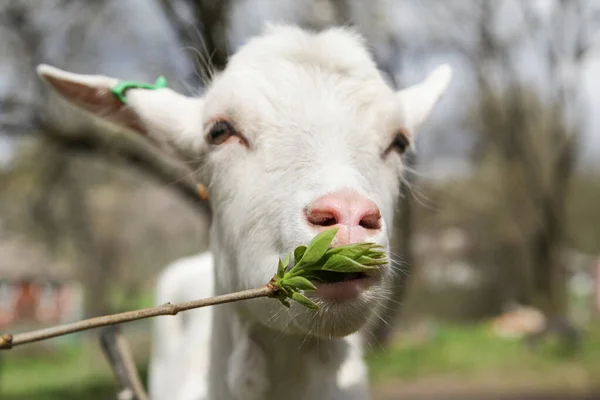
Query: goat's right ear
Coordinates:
[161,114]
[419,100]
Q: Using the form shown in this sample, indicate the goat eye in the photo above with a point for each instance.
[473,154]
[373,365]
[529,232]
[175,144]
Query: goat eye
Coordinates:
[220,132]
[400,143]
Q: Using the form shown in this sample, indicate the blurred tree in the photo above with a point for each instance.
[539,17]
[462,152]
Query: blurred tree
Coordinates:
[534,143]
[583,213]
[527,141]
[57,185]
[205,33]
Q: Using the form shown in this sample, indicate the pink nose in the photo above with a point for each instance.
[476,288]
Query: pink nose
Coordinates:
[355,216]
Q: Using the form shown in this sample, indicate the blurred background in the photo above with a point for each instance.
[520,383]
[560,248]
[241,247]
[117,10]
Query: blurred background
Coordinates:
[498,228]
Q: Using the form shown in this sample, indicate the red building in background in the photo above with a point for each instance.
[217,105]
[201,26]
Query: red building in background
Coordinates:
[33,289]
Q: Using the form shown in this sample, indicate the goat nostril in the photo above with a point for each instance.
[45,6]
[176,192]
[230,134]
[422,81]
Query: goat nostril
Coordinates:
[327,222]
[344,208]
[321,218]
[371,221]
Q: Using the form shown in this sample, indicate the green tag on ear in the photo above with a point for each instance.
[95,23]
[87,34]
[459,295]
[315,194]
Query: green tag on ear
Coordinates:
[119,90]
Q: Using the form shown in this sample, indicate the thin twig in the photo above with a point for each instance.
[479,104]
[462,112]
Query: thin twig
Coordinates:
[8,341]
[117,351]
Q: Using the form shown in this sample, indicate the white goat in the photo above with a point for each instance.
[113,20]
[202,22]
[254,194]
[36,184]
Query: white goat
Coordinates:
[299,133]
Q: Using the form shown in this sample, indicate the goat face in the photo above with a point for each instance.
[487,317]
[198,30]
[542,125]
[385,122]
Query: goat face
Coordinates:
[298,134]
[303,134]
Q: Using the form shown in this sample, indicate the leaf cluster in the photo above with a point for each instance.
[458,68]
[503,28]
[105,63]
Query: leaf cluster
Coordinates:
[292,280]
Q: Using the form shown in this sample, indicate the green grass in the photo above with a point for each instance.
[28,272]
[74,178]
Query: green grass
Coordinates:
[67,373]
[459,353]
[73,370]
[472,352]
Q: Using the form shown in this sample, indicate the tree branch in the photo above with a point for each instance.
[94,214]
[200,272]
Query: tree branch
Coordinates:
[8,341]
[117,351]
[139,154]
[16,17]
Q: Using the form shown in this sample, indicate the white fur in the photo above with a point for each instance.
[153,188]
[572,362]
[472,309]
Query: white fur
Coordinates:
[179,364]
[180,354]
[317,117]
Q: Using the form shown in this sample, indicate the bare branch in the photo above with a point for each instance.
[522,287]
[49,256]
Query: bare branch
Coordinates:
[9,341]
[137,153]
[117,351]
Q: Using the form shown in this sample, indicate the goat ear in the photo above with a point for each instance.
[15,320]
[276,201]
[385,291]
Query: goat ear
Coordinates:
[419,100]
[162,115]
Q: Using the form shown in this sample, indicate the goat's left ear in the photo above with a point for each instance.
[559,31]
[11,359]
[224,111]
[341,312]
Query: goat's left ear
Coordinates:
[419,100]
[161,114]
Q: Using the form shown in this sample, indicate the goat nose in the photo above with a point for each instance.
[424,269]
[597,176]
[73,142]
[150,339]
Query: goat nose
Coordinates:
[346,209]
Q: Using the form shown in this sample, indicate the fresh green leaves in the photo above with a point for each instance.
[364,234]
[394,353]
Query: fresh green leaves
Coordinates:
[280,269]
[318,246]
[318,256]
[340,263]
[305,301]
[299,253]
[300,283]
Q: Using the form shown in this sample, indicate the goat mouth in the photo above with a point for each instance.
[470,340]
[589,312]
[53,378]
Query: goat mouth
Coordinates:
[329,277]
[338,287]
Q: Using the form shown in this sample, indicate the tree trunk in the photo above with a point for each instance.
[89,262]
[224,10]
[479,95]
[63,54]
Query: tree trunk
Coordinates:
[403,261]
[550,280]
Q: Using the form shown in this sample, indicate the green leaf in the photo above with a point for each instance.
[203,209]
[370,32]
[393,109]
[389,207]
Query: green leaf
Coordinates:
[305,301]
[312,277]
[285,292]
[339,263]
[376,254]
[299,282]
[317,256]
[285,302]
[318,246]
[286,260]
[351,250]
[299,253]
[368,261]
